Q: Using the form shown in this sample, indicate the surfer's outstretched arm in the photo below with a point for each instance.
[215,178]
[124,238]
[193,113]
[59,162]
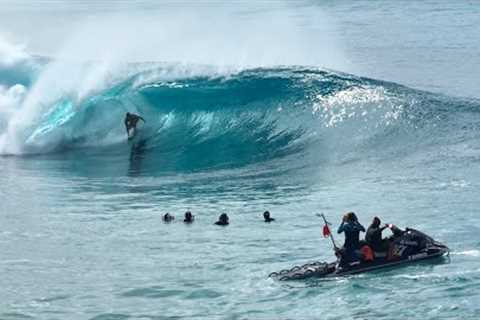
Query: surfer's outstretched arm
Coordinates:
[142,119]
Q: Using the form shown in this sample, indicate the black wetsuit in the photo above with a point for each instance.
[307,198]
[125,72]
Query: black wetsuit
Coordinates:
[352,234]
[352,239]
[374,238]
[131,121]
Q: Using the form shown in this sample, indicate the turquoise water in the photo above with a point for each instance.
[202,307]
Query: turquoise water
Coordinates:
[81,234]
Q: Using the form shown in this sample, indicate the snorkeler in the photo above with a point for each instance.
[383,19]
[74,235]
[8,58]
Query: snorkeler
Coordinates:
[167,217]
[222,220]
[131,123]
[266,216]
[188,217]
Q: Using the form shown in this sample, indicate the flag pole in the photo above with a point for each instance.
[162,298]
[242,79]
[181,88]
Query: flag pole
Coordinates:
[331,234]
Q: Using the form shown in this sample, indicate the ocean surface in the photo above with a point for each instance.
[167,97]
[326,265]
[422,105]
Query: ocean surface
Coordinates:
[380,116]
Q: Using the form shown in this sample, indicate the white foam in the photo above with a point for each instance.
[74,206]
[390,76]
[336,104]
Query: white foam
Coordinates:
[10,98]
[471,253]
[356,102]
[59,80]
[210,35]
[11,53]
[166,74]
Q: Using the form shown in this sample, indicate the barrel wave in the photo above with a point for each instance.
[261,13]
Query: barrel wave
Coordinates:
[199,117]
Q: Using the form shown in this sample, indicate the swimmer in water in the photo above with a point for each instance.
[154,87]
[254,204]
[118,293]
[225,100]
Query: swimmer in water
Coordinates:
[188,217]
[167,217]
[222,220]
[266,216]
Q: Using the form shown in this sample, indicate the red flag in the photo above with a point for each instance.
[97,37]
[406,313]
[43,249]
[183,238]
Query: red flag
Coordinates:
[326,231]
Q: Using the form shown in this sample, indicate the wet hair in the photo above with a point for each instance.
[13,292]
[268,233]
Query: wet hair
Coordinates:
[266,216]
[188,217]
[351,217]
[222,220]
[223,217]
[167,217]
[354,217]
[376,222]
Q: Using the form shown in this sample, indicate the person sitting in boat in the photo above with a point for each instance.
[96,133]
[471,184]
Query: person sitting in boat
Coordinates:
[373,237]
[352,228]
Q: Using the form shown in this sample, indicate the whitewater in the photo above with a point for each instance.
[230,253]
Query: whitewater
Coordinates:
[321,118]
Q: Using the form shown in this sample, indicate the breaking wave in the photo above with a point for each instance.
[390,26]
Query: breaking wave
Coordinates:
[207,117]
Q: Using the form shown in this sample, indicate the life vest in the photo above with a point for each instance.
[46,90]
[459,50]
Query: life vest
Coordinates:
[367,253]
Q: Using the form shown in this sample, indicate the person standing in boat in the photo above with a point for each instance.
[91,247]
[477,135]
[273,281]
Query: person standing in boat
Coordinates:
[351,228]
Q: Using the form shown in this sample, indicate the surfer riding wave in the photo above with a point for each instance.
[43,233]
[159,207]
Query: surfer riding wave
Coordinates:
[131,121]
